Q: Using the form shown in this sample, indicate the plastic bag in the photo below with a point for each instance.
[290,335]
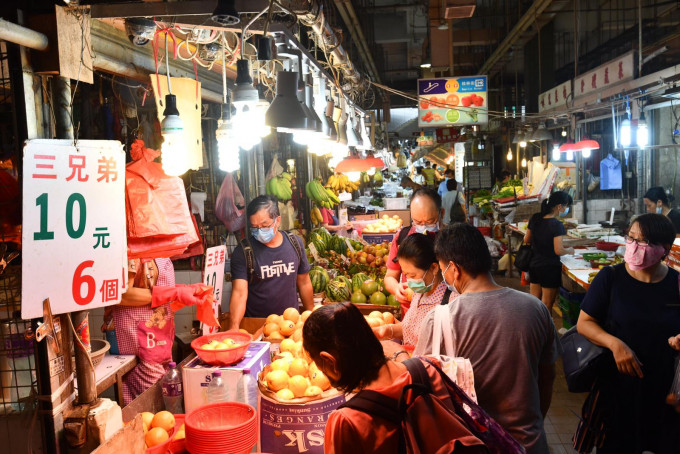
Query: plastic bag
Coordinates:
[225,206]
[275,168]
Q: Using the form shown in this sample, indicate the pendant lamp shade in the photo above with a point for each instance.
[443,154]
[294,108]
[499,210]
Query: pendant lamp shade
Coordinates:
[518,137]
[587,144]
[568,146]
[353,165]
[244,92]
[286,110]
[225,13]
[541,134]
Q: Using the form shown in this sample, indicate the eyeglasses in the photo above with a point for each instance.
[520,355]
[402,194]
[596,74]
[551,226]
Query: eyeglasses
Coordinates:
[428,222]
[630,240]
[266,226]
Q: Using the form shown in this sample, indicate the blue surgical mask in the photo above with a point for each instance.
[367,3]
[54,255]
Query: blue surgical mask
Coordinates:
[263,235]
[428,228]
[451,287]
[418,285]
[566,211]
[659,210]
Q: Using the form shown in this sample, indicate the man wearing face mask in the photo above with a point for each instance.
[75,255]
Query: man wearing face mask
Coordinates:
[268,269]
[508,336]
[426,218]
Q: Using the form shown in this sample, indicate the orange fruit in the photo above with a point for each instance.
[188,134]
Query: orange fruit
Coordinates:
[409,294]
[287,345]
[318,306]
[312,391]
[163,419]
[312,368]
[388,317]
[285,394]
[319,379]
[277,380]
[180,435]
[305,315]
[286,327]
[270,328]
[297,335]
[273,318]
[375,322]
[376,314]
[147,416]
[291,314]
[156,436]
[298,367]
[298,384]
[282,364]
[275,336]
[287,355]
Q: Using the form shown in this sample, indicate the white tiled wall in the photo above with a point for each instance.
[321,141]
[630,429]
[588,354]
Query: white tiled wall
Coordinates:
[598,210]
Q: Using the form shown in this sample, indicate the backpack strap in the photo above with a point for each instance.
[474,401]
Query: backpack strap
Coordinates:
[249,255]
[445,298]
[296,245]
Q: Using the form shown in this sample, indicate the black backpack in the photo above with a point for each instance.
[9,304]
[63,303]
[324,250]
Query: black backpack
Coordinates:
[456,213]
[251,260]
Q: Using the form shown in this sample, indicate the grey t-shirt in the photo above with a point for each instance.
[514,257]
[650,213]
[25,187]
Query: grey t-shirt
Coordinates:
[506,334]
[277,269]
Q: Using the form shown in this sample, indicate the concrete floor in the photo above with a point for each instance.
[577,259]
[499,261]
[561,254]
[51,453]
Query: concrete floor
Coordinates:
[563,416]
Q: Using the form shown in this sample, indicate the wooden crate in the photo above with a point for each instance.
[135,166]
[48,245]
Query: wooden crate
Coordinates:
[253,325]
[366,309]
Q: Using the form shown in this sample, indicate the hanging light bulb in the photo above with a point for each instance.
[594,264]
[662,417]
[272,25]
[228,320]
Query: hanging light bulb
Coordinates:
[564,132]
[509,155]
[556,155]
[227,147]
[245,129]
[625,133]
[523,144]
[353,176]
[570,155]
[524,162]
[586,152]
[371,171]
[642,132]
[173,149]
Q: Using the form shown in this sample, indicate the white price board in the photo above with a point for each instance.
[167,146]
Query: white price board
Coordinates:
[74,237]
[213,274]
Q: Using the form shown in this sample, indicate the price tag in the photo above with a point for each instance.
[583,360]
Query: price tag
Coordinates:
[213,275]
[314,252]
[74,239]
[349,245]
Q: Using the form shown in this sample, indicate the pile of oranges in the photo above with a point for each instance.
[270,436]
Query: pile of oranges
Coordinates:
[286,326]
[377,318]
[159,427]
[292,374]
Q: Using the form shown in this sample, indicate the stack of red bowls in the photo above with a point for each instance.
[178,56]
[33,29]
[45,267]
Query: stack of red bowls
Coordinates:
[221,428]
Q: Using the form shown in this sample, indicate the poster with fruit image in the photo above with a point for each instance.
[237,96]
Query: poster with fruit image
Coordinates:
[452,101]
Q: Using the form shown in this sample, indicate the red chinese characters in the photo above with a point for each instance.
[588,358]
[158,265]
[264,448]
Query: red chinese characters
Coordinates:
[44,167]
[77,165]
[109,290]
[107,169]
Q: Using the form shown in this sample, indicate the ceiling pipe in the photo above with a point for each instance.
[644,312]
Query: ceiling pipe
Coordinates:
[346,10]
[22,36]
[534,11]
[329,41]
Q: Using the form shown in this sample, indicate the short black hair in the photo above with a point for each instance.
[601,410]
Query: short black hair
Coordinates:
[419,170]
[656,229]
[504,174]
[465,246]
[658,193]
[450,172]
[451,184]
[341,330]
[264,202]
[430,194]
[419,250]
[433,165]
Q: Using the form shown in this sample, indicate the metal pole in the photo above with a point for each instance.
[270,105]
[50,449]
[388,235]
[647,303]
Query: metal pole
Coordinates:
[639,4]
[61,102]
[23,36]
[87,382]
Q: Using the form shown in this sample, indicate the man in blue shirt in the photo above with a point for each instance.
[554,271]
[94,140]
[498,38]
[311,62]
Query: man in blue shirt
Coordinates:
[442,186]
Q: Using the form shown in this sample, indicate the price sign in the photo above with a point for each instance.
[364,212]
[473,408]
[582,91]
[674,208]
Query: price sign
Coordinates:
[74,240]
[213,274]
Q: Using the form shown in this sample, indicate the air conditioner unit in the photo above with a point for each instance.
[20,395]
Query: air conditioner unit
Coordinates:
[459,9]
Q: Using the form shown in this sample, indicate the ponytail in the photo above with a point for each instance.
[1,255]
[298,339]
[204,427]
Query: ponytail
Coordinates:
[556,198]
[545,208]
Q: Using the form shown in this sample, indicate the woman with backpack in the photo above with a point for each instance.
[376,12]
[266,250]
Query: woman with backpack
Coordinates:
[454,203]
[341,343]
[420,267]
[544,234]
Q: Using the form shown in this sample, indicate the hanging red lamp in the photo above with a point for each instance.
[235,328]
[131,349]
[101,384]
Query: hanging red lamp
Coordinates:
[587,144]
[568,146]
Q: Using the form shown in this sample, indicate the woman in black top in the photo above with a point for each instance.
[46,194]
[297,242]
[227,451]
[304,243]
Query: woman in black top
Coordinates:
[545,234]
[656,201]
[633,310]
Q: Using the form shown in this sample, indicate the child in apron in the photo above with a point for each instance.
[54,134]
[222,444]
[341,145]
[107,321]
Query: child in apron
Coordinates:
[142,331]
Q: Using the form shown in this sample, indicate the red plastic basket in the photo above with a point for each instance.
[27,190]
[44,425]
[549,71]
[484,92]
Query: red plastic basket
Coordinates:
[225,427]
[222,357]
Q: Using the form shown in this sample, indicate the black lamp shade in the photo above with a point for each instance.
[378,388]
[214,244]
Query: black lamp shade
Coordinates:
[286,110]
[225,13]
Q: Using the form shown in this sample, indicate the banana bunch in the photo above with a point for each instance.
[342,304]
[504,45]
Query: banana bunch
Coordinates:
[340,183]
[280,186]
[317,219]
[378,178]
[322,196]
[365,178]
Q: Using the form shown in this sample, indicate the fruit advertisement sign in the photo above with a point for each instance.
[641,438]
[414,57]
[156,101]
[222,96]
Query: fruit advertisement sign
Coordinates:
[452,101]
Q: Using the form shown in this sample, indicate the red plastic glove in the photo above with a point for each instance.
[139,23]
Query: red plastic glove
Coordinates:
[187,295]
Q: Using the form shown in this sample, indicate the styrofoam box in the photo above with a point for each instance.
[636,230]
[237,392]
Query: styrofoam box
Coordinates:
[241,378]
[395,203]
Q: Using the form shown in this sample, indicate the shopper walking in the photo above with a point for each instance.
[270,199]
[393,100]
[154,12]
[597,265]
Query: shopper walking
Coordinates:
[448,175]
[508,336]
[420,267]
[544,234]
[454,203]
[633,309]
[657,201]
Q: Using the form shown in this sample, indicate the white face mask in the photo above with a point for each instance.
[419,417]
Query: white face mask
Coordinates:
[451,286]
[428,227]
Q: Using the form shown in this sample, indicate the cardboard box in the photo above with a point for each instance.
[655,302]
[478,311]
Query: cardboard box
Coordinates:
[253,325]
[405,215]
[295,428]
[241,378]
[363,217]
[395,203]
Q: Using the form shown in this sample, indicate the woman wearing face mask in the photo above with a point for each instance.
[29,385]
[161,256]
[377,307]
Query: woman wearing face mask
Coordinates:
[544,234]
[420,267]
[656,201]
[633,309]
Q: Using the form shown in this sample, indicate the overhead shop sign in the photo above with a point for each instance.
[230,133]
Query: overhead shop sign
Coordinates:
[452,101]
[74,241]
[555,97]
[616,71]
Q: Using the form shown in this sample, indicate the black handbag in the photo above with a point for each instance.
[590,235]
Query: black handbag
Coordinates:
[581,359]
[523,257]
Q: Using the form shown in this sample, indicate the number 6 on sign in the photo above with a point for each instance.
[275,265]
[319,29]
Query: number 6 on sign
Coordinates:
[78,280]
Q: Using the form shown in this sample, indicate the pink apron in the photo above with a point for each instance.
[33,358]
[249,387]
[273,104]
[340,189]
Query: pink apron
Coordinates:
[147,333]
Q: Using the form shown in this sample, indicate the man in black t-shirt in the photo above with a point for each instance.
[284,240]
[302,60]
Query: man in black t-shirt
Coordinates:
[279,269]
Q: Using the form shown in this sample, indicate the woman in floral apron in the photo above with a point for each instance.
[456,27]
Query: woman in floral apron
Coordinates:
[142,331]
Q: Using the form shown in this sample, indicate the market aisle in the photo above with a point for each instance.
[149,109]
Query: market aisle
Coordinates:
[562,416]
